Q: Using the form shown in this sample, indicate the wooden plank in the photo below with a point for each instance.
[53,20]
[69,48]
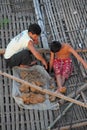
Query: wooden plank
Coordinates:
[27,119]
[11,103]
[45,119]
[76,22]
[78,19]
[7,103]
[59,19]
[67,23]
[54,15]
[6,97]
[51,20]
[32,120]
[37,120]
[22,120]
[2,113]
[84,97]
[20,21]
[42,123]
[50,117]
[17,115]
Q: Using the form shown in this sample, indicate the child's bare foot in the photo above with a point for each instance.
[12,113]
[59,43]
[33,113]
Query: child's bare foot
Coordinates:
[62,90]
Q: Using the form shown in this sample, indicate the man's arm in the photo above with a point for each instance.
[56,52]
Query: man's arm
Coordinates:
[51,61]
[36,53]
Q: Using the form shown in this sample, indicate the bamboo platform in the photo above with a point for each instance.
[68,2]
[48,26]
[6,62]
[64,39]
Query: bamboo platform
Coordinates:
[61,24]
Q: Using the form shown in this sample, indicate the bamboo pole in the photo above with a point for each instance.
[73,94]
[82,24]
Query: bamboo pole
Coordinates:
[76,125]
[59,95]
[43,50]
[41,23]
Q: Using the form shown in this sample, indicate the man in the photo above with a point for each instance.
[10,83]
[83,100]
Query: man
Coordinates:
[21,48]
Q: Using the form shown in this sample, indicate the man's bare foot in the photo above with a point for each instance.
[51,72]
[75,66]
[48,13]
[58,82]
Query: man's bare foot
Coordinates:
[33,63]
[24,66]
[28,66]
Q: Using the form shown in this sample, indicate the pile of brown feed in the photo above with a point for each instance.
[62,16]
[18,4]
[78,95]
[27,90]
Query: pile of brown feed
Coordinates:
[31,95]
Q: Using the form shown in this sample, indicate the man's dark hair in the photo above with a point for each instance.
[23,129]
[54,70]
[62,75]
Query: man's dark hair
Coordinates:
[34,29]
[55,46]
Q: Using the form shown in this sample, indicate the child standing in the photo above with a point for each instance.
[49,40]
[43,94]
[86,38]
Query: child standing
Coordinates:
[21,48]
[62,63]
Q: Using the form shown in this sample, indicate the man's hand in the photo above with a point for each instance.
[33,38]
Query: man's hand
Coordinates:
[44,64]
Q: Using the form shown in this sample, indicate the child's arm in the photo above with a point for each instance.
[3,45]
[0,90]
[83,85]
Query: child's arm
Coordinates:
[79,58]
[36,53]
[51,61]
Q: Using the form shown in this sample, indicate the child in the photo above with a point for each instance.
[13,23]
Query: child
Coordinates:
[62,63]
[20,49]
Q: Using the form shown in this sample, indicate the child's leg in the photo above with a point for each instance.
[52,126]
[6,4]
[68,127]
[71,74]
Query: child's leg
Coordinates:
[58,74]
[65,73]
[60,82]
[63,80]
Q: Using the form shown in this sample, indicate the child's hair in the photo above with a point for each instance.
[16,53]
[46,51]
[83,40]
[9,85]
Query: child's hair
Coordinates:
[55,46]
[34,29]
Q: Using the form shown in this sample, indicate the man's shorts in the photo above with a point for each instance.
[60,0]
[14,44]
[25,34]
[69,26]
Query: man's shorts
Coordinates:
[23,57]
[63,67]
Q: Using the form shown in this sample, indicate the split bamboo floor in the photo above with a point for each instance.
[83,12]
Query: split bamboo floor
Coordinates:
[15,17]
